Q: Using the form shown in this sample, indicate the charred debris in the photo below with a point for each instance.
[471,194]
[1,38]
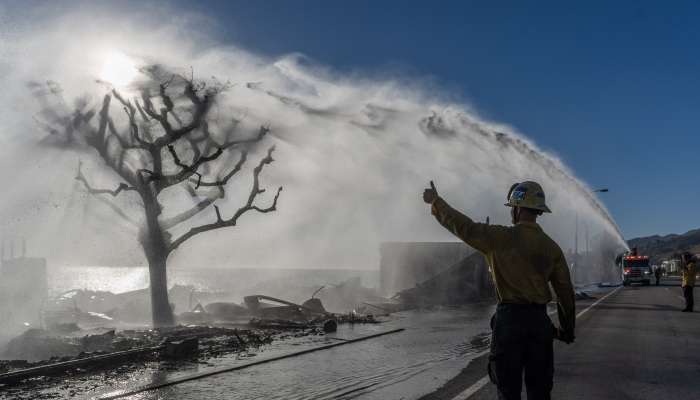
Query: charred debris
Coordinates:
[73,338]
[84,331]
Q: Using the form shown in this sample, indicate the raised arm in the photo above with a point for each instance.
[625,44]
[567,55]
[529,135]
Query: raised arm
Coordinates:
[483,237]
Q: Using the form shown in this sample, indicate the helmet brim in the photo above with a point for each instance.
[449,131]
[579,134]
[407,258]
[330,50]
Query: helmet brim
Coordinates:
[543,208]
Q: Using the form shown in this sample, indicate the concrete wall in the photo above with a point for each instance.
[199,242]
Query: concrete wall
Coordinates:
[23,291]
[403,264]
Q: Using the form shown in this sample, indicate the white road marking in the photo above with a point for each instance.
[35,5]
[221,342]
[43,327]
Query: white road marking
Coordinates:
[471,390]
[597,301]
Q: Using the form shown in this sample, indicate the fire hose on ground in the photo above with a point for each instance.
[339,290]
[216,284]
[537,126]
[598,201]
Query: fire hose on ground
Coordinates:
[176,381]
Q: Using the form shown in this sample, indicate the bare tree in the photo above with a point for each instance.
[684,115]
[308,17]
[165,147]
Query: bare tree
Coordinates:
[169,139]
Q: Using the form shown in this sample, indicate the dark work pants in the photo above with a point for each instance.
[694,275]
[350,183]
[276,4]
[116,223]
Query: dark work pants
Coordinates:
[522,342]
[688,294]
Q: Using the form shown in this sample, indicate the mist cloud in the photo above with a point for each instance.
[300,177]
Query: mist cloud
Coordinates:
[353,153]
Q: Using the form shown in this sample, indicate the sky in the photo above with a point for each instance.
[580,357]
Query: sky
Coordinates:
[612,88]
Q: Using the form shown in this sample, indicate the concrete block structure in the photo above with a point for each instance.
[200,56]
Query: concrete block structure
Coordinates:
[402,265]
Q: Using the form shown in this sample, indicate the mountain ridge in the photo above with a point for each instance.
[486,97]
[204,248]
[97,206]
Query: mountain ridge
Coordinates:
[665,247]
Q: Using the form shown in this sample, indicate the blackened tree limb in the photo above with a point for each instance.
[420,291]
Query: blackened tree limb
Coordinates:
[191,91]
[123,187]
[201,106]
[187,171]
[256,179]
[200,206]
[192,170]
[98,140]
[141,112]
[123,143]
[148,107]
[197,162]
[264,130]
[133,223]
[167,100]
[130,110]
[249,206]
[173,135]
[224,180]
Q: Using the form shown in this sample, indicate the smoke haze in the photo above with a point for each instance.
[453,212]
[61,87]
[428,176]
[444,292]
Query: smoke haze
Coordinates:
[353,152]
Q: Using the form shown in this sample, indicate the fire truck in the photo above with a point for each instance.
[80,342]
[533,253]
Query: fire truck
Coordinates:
[635,269]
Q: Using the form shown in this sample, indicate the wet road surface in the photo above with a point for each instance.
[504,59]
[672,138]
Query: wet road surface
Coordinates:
[434,347]
[633,344]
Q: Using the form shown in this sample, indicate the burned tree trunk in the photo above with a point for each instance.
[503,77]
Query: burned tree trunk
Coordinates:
[155,248]
[168,140]
[161,310]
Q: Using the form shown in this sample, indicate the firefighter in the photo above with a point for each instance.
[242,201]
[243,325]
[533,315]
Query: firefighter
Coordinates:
[523,261]
[657,274]
[688,284]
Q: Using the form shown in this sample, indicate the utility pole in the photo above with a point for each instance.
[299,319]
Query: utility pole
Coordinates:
[574,264]
[576,236]
[601,190]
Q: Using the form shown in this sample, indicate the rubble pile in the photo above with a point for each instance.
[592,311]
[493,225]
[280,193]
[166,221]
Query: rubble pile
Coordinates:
[91,334]
[97,308]
[265,318]
[51,349]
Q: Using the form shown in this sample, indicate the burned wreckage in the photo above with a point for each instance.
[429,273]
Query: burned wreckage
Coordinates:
[77,331]
[71,339]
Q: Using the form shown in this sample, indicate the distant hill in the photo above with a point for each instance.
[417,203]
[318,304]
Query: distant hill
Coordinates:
[661,248]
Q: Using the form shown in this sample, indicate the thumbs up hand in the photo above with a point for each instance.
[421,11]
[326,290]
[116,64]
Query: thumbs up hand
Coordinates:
[430,194]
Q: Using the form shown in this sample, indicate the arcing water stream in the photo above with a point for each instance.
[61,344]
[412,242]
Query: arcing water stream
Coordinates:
[353,152]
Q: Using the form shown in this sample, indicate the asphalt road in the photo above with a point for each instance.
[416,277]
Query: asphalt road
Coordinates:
[632,344]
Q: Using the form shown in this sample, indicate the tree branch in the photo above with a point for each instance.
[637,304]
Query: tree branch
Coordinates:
[131,113]
[171,135]
[118,211]
[189,170]
[123,187]
[223,181]
[196,209]
[264,130]
[249,206]
[98,139]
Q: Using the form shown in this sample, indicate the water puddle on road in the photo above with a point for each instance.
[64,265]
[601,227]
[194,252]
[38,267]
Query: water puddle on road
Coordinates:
[435,346]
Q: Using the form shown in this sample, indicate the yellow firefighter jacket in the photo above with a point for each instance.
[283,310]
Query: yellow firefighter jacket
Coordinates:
[689,272]
[522,258]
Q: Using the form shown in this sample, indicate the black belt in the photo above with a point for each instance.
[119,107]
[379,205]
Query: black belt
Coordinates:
[522,306]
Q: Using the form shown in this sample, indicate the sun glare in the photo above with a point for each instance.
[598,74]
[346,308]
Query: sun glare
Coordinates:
[118,69]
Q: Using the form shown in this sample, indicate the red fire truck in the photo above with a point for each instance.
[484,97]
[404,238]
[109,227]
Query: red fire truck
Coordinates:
[635,269]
